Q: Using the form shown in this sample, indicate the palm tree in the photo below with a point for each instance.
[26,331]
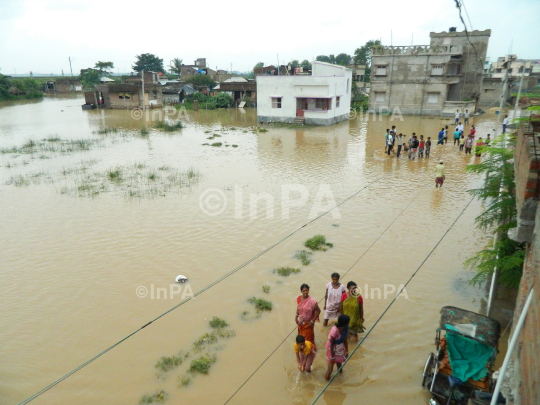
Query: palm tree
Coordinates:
[176,66]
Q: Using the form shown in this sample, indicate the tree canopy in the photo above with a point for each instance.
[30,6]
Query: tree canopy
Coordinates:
[362,55]
[149,63]
[176,66]
[258,65]
[104,67]
[201,80]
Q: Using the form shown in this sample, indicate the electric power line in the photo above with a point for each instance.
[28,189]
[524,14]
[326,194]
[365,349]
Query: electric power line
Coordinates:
[59,380]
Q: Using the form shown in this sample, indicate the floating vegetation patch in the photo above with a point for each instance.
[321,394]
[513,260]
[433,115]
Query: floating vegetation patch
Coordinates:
[106,131]
[335,225]
[184,381]
[53,144]
[263,130]
[318,242]
[144,132]
[159,397]
[168,363]
[286,271]
[216,144]
[29,179]
[169,127]
[204,340]
[234,146]
[217,322]
[304,256]
[133,181]
[266,289]
[260,304]
[202,364]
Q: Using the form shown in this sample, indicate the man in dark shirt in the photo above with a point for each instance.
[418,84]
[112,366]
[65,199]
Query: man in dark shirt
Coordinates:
[414,147]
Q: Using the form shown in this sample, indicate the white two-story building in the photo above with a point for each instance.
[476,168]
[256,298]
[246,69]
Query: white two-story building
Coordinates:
[322,98]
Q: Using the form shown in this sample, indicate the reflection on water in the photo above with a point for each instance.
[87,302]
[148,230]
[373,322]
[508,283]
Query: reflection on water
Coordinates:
[71,264]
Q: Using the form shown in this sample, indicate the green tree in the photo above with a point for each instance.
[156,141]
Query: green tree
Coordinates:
[149,63]
[201,80]
[258,65]
[362,56]
[327,59]
[105,68]
[5,85]
[223,100]
[294,63]
[499,195]
[359,100]
[305,64]
[176,66]
[343,59]
[90,77]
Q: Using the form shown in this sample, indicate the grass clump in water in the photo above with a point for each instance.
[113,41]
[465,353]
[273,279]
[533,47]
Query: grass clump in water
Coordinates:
[144,132]
[304,256]
[216,144]
[260,304]
[165,126]
[158,397]
[266,289]
[206,339]
[167,363]
[105,131]
[263,130]
[217,322]
[185,381]
[318,242]
[114,174]
[202,364]
[234,146]
[286,271]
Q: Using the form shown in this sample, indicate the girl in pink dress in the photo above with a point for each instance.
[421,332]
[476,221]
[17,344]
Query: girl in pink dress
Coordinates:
[337,347]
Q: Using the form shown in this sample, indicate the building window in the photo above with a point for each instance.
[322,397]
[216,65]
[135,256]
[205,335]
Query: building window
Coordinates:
[124,96]
[154,94]
[360,78]
[381,70]
[509,70]
[433,98]
[337,101]
[498,70]
[379,97]
[437,70]
[276,102]
[323,103]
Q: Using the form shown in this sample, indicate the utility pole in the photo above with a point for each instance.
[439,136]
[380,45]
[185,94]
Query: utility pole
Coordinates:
[70,66]
[519,91]
[143,100]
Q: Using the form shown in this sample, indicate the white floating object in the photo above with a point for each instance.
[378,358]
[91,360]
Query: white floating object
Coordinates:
[181,279]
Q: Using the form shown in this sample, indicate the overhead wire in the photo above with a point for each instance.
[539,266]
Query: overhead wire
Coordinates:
[391,303]
[343,276]
[59,380]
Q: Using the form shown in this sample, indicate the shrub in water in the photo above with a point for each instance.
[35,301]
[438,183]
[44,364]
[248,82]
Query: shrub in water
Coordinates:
[318,242]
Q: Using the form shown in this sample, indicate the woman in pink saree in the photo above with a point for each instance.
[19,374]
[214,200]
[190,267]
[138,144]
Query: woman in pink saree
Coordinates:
[307,313]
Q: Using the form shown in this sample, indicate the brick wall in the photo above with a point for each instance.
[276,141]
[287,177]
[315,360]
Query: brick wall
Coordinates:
[524,378]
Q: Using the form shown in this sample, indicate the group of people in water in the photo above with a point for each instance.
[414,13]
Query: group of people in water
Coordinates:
[343,303]
[420,147]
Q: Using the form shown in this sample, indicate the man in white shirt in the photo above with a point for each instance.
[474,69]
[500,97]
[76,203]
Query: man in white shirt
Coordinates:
[456,116]
[505,123]
[466,115]
[399,144]
[390,142]
[459,127]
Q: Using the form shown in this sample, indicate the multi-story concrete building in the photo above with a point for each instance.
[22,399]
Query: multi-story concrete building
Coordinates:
[322,98]
[527,70]
[434,79]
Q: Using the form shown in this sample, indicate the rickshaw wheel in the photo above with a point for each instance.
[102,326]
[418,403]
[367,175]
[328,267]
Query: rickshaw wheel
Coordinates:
[428,369]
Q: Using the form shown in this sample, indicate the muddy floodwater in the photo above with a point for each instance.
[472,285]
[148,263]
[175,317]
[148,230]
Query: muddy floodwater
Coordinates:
[95,213]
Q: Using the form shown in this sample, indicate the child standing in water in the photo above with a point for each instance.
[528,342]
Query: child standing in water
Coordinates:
[332,298]
[305,353]
[337,347]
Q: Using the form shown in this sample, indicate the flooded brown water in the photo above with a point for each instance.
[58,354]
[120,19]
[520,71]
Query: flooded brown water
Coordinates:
[71,263]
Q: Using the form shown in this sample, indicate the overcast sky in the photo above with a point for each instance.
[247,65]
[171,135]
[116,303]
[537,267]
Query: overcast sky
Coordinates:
[40,35]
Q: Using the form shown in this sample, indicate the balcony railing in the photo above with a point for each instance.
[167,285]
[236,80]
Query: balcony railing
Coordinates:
[417,50]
